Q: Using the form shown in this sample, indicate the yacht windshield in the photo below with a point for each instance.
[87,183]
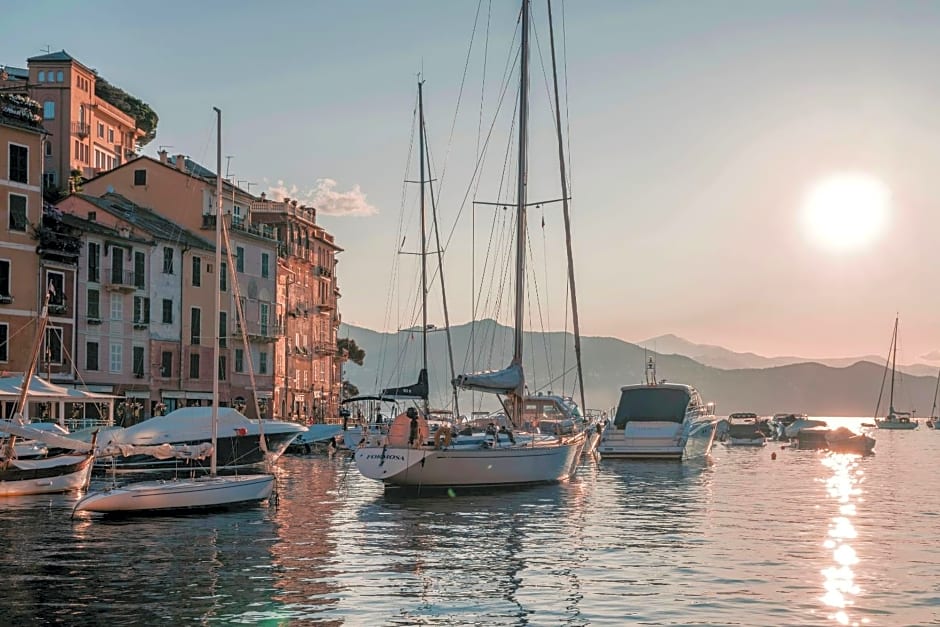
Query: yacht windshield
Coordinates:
[651,404]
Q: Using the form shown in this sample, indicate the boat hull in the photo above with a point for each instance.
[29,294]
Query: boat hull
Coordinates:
[190,494]
[62,473]
[896,425]
[233,453]
[474,467]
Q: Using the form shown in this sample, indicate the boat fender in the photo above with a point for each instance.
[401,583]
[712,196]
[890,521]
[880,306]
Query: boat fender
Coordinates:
[773,455]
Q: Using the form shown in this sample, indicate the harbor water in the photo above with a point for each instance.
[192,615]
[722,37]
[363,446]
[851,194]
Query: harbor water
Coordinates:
[808,538]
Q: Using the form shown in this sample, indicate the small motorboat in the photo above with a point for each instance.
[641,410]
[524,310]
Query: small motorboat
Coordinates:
[840,440]
[744,429]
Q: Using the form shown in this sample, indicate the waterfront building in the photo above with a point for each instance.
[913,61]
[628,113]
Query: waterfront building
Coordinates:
[183,191]
[87,134]
[306,367]
[21,136]
[142,296]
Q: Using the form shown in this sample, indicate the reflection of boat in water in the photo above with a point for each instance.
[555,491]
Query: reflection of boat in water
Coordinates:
[898,420]
[657,419]
[840,440]
[744,429]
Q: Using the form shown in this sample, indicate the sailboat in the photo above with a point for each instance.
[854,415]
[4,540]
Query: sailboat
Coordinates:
[894,419]
[406,457]
[44,475]
[207,492]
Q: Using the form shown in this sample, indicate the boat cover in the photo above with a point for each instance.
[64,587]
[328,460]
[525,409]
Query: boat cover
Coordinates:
[503,381]
[418,390]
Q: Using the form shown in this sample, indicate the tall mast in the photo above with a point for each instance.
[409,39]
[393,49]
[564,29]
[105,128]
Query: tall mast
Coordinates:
[564,204]
[218,292]
[424,241]
[894,360]
[935,391]
[521,204]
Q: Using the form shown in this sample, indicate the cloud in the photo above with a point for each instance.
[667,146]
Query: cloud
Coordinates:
[931,356]
[326,198]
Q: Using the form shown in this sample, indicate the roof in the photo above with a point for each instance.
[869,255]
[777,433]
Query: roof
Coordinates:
[193,167]
[90,226]
[58,57]
[146,220]
[15,73]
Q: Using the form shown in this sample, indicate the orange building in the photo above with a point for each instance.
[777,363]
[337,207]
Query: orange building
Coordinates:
[87,134]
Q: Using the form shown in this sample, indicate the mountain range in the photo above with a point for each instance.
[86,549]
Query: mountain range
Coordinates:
[762,385]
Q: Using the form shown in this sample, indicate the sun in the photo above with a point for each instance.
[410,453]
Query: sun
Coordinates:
[846,211]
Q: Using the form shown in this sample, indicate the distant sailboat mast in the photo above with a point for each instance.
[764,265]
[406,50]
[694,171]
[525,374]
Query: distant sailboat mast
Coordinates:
[894,360]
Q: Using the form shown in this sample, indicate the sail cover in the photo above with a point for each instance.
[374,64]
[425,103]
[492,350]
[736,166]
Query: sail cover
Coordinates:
[46,437]
[418,390]
[502,381]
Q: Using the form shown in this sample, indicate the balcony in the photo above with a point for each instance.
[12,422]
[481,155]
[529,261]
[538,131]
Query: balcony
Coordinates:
[264,333]
[117,281]
[58,306]
[323,272]
[81,129]
[324,348]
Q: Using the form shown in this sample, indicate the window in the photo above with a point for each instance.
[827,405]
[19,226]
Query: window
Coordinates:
[19,164]
[42,76]
[117,306]
[55,281]
[117,265]
[223,277]
[263,363]
[139,270]
[117,358]
[265,272]
[94,262]
[223,329]
[100,130]
[4,339]
[94,303]
[140,177]
[167,260]
[111,135]
[194,366]
[78,150]
[167,311]
[195,323]
[166,364]
[60,77]
[239,360]
[5,280]
[264,318]
[48,110]
[222,367]
[18,221]
[141,310]
[138,357]
[49,179]
[239,259]
[91,355]
[47,148]
[197,271]
[53,347]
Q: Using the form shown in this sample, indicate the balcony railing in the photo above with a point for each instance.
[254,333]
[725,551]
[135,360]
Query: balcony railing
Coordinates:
[259,331]
[122,280]
[324,348]
[81,129]
[58,306]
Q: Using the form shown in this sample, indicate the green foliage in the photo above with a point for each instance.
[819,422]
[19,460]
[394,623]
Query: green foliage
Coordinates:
[145,116]
[349,390]
[348,348]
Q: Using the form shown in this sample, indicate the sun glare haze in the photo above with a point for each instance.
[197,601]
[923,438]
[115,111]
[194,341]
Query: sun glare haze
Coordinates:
[846,211]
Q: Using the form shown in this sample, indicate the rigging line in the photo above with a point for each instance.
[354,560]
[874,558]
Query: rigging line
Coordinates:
[538,302]
[486,47]
[564,45]
[548,310]
[463,79]
[884,375]
[479,163]
[548,91]
[549,384]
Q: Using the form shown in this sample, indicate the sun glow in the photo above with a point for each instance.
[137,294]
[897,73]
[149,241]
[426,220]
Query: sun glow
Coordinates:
[847,211]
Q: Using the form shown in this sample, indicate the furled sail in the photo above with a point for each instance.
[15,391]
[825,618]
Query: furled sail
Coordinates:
[159,451]
[502,381]
[46,437]
[418,390]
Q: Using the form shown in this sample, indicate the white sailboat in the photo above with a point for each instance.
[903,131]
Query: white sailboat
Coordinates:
[934,422]
[209,492]
[899,420]
[406,457]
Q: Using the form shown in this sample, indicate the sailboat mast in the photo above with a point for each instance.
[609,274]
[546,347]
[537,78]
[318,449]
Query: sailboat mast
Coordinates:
[894,361]
[567,214]
[424,241]
[521,203]
[933,409]
[218,292]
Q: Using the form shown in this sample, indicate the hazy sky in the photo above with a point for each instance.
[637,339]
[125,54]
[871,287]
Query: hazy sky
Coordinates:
[696,131]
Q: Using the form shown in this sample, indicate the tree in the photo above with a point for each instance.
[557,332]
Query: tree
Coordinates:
[348,349]
[349,390]
[145,117]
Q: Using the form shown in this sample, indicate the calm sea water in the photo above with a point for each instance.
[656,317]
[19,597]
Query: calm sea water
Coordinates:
[806,539]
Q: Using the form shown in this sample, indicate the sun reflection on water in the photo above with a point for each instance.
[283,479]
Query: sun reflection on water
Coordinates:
[844,486]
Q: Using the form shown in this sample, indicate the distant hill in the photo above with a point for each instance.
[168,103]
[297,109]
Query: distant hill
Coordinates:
[720,357]
[814,388]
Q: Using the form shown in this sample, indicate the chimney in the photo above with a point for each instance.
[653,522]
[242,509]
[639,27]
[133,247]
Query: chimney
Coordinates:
[163,154]
[181,163]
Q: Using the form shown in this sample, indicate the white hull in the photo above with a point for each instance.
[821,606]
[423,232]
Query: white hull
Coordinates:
[62,473]
[896,424]
[471,467]
[656,440]
[201,493]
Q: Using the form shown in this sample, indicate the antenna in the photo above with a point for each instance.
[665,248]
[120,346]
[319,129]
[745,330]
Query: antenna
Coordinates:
[47,49]
[247,183]
[228,166]
[164,146]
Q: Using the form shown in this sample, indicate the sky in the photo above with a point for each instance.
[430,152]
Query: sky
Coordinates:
[696,132]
